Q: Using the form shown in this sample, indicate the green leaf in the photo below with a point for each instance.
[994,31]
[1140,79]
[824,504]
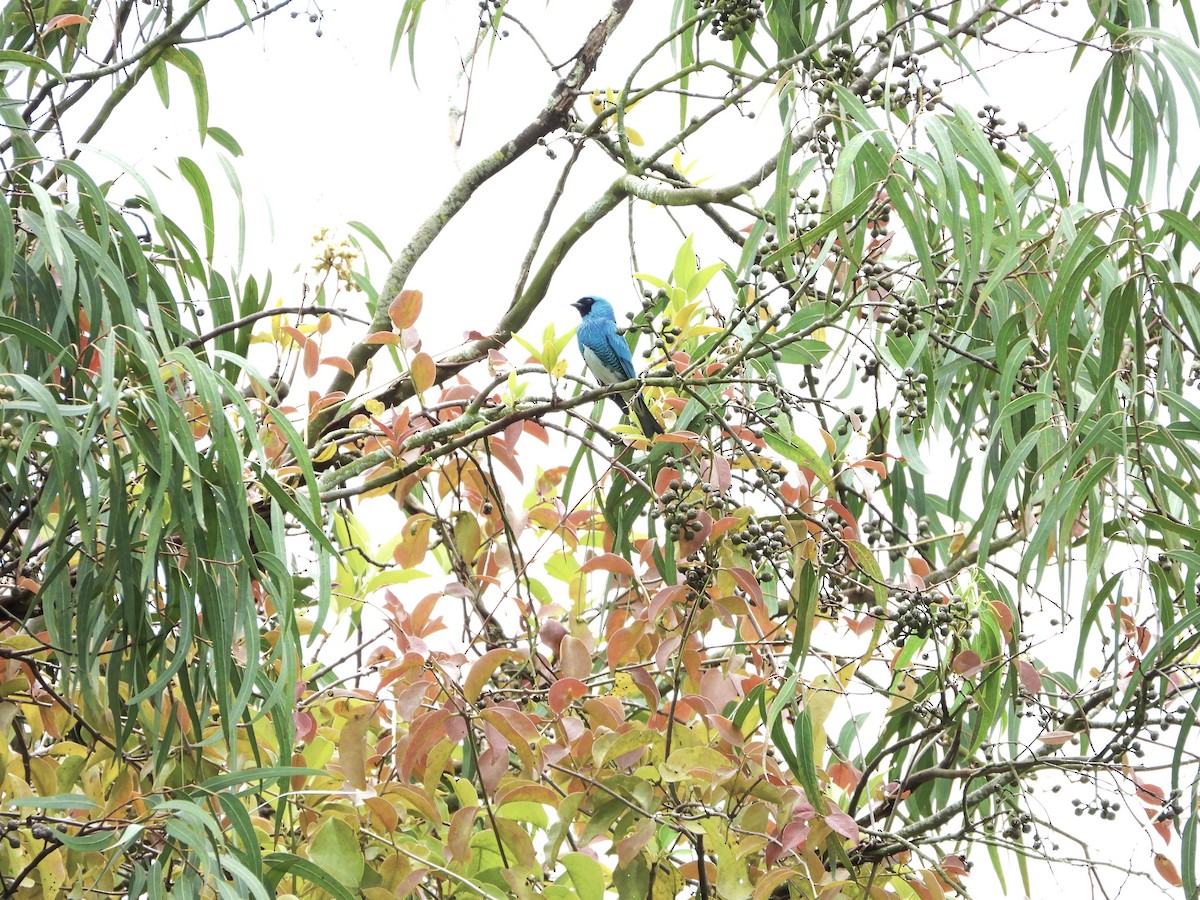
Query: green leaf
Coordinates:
[38,338]
[685,264]
[335,849]
[586,875]
[195,177]
[268,773]
[15,59]
[189,63]
[796,449]
[279,865]
[831,223]
[59,801]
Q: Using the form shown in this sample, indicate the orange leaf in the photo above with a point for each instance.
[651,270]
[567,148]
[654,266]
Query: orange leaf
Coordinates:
[66,20]
[382,337]
[624,641]
[608,562]
[338,362]
[384,811]
[423,371]
[1167,870]
[405,309]
[563,691]
[295,334]
[312,358]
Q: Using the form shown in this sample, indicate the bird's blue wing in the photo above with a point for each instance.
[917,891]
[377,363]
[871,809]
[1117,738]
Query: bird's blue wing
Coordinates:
[620,352]
[600,344]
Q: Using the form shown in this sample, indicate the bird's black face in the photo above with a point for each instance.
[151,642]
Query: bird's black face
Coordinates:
[584,305]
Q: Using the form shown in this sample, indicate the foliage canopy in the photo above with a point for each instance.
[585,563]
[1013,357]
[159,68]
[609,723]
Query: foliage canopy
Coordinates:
[912,570]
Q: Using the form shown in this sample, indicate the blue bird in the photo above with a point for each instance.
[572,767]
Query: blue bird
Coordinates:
[608,357]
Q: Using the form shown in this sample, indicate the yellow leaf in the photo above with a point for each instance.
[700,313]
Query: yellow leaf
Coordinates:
[624,686]
[634,137]
[326,454]
[559,370]
[352,744]
[52,873]
[374,407]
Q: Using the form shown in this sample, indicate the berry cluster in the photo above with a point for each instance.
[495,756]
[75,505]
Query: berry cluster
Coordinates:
[912,389]
[905,318]
[680,506]
[488,11]
[9,439]
[763,544]
[920,614]
[731,18]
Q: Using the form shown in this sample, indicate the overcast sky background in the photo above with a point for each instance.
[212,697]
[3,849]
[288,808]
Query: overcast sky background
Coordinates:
[332,134]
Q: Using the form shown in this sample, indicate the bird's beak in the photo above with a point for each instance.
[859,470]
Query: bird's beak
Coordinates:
[578,304]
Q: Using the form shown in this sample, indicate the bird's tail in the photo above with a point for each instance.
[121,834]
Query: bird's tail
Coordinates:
[650,426]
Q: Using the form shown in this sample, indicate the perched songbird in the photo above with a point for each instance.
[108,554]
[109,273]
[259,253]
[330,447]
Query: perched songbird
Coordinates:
[608,357]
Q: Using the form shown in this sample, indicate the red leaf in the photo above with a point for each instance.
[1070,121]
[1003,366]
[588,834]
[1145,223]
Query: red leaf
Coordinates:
[727,730]
[666,596]
[967,663]
[954,865]
[1162,826]
[748,583]
[679,437]
[306,725]
[846,515]
[841,823]
[874,465]
[1030,679]
[663,480]
[295,334]
[695,540]
[860,626]
[1004,616]
[722,525]
[1149,793]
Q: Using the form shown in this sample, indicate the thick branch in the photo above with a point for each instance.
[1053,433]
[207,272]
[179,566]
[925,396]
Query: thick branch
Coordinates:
[553,116]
